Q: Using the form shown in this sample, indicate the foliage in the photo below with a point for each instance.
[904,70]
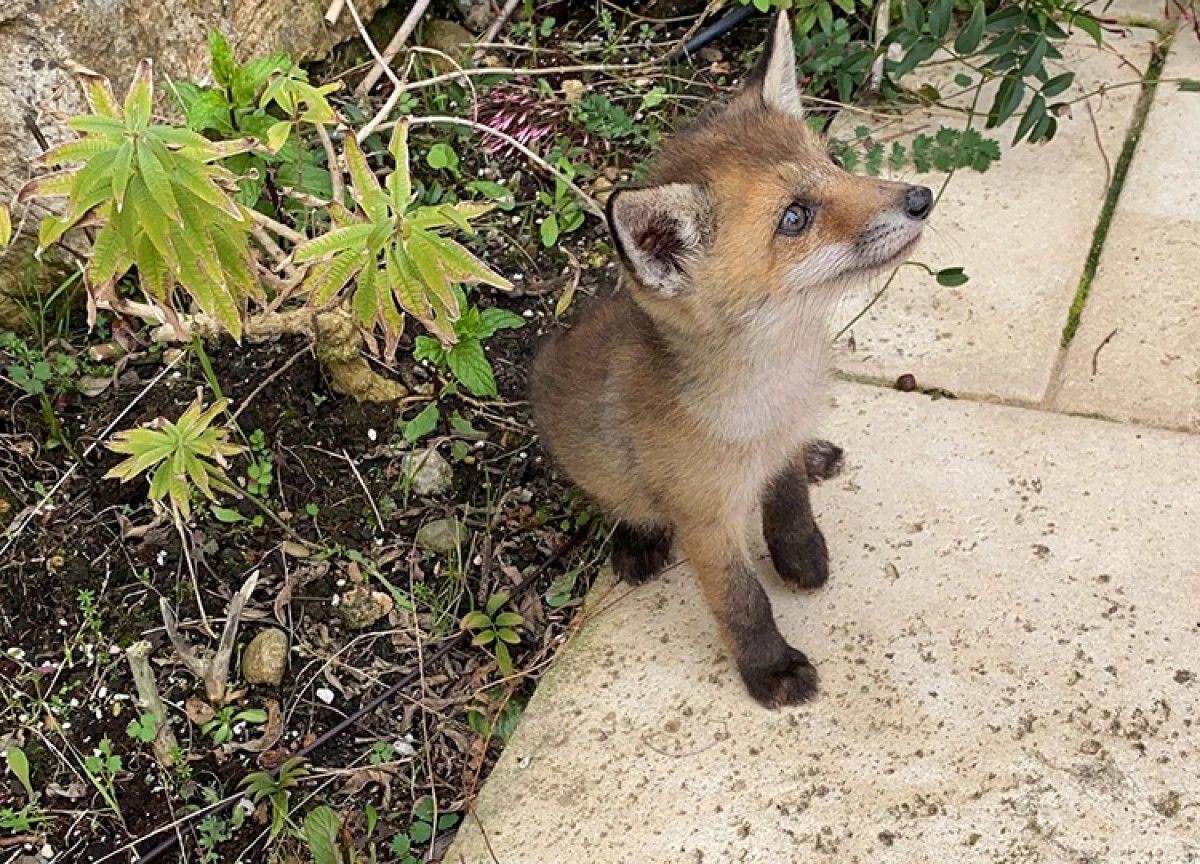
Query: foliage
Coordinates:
[493,718]
[495,628]
[5,226]
[220,727]
[393,251]
[829,60]
[260,471]
[566,213]
[160,202]
[1014,40]
[184,453]
[241,103]
[465,359]
[277,790]
[806,14]
[420,831]
[143,728]
[36,372]
[18,766]
[102,768]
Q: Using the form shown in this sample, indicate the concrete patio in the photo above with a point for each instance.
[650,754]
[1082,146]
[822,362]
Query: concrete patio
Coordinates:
[1009,645]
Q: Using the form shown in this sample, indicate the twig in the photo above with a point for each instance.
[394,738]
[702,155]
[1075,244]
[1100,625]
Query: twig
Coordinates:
[495,27]
[383,62]
[335,168]
[165,744]
[363,484]
[213,671]
[1099,348]
[588,201]
[875,79]
[278,227]
[334,11]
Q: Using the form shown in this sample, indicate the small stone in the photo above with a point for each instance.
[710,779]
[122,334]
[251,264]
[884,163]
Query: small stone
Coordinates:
[361,607]
[428,472]
[451,38]
[440,535]
[573,91]
[906,383]
[325,695]
[266,657]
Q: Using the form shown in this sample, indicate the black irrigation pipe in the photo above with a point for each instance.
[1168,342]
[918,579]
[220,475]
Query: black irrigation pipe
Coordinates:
[172,840]
[712,32]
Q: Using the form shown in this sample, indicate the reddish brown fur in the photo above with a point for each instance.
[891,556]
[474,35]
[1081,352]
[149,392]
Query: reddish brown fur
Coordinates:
[682,413]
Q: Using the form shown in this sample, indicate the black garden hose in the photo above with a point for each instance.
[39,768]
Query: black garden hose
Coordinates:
[712,32]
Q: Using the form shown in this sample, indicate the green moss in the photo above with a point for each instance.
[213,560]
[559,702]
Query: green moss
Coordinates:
[1141,111]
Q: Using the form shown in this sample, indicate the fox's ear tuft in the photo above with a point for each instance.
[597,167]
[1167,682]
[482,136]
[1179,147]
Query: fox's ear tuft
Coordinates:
[773,80]
[659,231]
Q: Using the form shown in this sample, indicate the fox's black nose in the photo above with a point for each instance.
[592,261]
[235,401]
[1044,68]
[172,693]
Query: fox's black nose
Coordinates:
[918,201]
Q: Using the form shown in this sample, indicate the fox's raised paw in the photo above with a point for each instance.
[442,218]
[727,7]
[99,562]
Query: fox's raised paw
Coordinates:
[788,680]
[639,554]
[822,460]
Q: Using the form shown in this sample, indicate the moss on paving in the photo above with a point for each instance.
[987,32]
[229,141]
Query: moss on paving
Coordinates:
[1141,112]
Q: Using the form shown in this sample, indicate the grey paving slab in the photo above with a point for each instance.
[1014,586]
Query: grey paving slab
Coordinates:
[1022,231]
[1145,299]
[1008,652]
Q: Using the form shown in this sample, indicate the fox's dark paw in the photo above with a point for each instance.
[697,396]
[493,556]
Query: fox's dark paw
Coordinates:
[804,564]
[788,679]
[822,460]
[639,554]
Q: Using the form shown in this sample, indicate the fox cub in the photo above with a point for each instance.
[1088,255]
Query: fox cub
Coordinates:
[683,405]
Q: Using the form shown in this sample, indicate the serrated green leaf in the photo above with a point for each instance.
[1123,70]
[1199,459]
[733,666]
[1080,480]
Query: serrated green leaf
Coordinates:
[1057,84]
[77,150]
[331,276]
[222,58]
[321,827]
[362,180]
[157,180]
[399,182]
[337,240]
[364,301]
[968,39]
[140,98]
[99,94]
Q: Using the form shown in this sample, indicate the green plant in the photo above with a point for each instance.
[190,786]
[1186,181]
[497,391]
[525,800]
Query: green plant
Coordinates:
[159,201]
[242,102]
[426,420]
[5,226]
[102,768]
[495,628]
[220,728]
[806,13]
[277,790]
[491,717]
[421,830]
[18,766]
[1010,43]
[393,252]
[143,728]
[608,121]
[26,820]
[214,830]
[185,454]
[830,60]
[465,358]
[45,374]
[260,469]
[566,213]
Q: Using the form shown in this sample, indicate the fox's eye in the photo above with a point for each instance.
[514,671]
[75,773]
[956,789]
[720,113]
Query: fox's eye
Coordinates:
[796,218]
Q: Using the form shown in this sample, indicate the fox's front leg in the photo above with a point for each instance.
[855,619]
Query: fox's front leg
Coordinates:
[774,672]
[796,544]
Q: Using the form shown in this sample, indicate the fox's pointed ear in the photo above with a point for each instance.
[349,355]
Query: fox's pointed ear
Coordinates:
[659,231]
[773,80]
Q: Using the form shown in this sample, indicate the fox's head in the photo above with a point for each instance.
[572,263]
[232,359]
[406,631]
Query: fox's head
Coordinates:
[748,206]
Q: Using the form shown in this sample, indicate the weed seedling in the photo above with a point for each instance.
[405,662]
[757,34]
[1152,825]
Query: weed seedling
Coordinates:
[495,628]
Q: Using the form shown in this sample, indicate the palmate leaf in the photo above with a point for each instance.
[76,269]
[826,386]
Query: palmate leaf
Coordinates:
[333,241]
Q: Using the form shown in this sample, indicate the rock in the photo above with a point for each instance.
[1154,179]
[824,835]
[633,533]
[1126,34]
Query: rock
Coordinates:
[428,473]
[43,43]
[266,657]
[453,40]
[361,607]
[573,91]
[441,535]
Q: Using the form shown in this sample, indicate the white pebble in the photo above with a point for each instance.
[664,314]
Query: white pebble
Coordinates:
[372,434]
[325,695]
